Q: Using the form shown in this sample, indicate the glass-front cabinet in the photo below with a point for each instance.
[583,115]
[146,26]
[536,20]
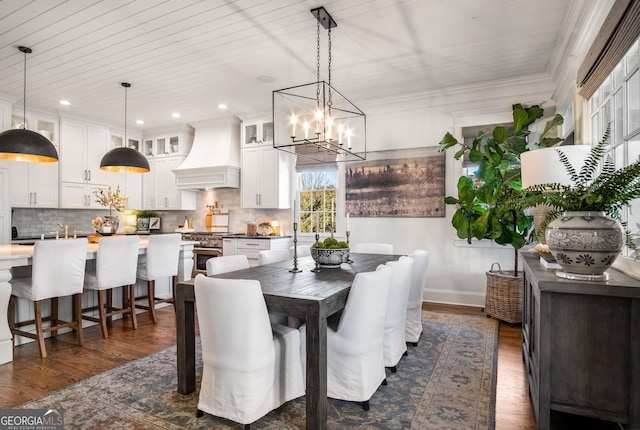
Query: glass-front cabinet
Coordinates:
[43,123]
[167,141]
[258,132]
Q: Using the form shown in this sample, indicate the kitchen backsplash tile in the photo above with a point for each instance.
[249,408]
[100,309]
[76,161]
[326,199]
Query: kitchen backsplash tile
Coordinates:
[34,222]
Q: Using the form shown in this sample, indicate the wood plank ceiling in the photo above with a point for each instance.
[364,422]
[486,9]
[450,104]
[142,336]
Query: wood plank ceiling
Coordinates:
[188,56]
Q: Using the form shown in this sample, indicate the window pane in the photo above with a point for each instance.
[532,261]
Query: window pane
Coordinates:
[317,191]
[633,219]
[605,90]
[605,113]
[595,129]
[618,119]
[633,57]
[633,103]
[595,100]
[618,74]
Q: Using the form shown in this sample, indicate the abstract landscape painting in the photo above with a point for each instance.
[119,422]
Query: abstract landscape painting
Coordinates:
[404,183]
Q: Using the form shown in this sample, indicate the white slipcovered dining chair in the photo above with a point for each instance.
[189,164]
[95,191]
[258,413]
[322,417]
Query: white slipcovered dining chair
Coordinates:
[160,261]
[395,343]
[372,248]
[57,271]
[413,328]
[226,263]
[355,358]
[250,366]
[116,265]
[273,256]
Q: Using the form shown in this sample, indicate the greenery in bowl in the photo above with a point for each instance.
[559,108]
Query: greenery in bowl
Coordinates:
[485,208]
[594,188]
[331,243]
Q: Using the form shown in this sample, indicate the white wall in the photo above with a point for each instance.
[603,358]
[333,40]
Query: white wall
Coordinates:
[456,271]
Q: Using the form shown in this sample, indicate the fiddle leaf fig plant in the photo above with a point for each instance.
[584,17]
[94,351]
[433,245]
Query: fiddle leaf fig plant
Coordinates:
[484,206]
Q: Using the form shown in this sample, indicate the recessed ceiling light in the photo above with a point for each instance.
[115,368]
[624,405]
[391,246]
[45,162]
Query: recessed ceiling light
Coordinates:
[175,115]
[222,106]
[139,121]
[65,102]
[265,79]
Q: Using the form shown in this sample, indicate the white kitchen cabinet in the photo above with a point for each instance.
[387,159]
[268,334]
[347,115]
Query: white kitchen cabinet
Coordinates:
[251,247]
[159,186]
[266,178]
[83,145]
[34,185]
[258,132]
[164,142]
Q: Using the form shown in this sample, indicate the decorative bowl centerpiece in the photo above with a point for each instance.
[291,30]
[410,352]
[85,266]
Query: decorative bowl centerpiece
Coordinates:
[330,253]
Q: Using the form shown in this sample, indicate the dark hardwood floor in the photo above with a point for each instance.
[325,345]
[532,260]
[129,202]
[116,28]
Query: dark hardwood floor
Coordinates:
[29,377]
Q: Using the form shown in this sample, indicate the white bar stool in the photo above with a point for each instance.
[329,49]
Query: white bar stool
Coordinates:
[160,261]
[116,265]
[57,271]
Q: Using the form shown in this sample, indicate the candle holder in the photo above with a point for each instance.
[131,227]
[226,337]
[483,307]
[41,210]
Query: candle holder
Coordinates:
[295,249]
[317,268]
[349,260]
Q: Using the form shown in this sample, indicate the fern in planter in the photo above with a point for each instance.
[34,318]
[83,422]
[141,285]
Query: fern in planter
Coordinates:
[597,187]
[486,210]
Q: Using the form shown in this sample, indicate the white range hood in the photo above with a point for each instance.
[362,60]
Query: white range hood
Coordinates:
[214,159]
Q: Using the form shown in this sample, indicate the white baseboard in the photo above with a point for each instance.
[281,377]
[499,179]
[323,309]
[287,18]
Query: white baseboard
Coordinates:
[465,298]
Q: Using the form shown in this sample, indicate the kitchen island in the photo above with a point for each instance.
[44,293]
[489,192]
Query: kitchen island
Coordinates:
[20,256]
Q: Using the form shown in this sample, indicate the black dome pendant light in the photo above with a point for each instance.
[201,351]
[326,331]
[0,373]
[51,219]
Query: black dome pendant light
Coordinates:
[124,159]
[25,145]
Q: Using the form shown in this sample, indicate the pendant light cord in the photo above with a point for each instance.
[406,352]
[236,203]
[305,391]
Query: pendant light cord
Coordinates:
[125,143]
[24,90]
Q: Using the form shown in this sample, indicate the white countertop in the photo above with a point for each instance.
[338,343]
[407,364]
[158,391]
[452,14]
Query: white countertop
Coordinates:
[18,254]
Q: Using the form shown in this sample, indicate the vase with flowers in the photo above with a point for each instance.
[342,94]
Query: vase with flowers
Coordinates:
[113,199]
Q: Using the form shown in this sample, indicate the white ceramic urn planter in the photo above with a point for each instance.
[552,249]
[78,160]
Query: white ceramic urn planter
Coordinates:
[585,244]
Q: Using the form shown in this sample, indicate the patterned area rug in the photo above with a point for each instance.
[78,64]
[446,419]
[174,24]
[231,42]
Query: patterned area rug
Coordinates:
[447,382]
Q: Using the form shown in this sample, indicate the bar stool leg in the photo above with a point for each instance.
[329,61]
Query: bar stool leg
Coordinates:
[103,317]
[54,315]
[37,308]
[132,305]
[77,298]
[12,319]
[151,293]
[109,306]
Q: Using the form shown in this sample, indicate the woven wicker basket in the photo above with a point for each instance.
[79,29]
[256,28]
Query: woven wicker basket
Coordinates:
[504,295]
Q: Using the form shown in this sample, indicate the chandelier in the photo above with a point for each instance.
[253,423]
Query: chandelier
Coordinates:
[315,120]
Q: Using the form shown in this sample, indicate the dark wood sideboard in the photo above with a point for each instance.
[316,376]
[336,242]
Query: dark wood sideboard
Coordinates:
[581,345]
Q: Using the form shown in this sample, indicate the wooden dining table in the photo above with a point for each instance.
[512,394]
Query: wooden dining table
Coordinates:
[311,296]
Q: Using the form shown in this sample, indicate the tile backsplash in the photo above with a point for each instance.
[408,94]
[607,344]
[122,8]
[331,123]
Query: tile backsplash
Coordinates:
[32,222]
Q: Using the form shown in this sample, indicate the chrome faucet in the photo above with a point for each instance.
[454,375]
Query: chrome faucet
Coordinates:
[66,230]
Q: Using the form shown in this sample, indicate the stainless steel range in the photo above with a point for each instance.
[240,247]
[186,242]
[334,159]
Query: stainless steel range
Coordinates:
[209,246]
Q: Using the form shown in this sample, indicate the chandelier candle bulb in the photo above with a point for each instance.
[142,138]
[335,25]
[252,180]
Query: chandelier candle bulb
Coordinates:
[306,130]
[293,125]
[340,130]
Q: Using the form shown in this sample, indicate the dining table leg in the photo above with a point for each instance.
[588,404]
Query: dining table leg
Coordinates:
[316,395]
[185,339]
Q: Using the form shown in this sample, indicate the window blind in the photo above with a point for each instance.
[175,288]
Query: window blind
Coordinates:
[618,32]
